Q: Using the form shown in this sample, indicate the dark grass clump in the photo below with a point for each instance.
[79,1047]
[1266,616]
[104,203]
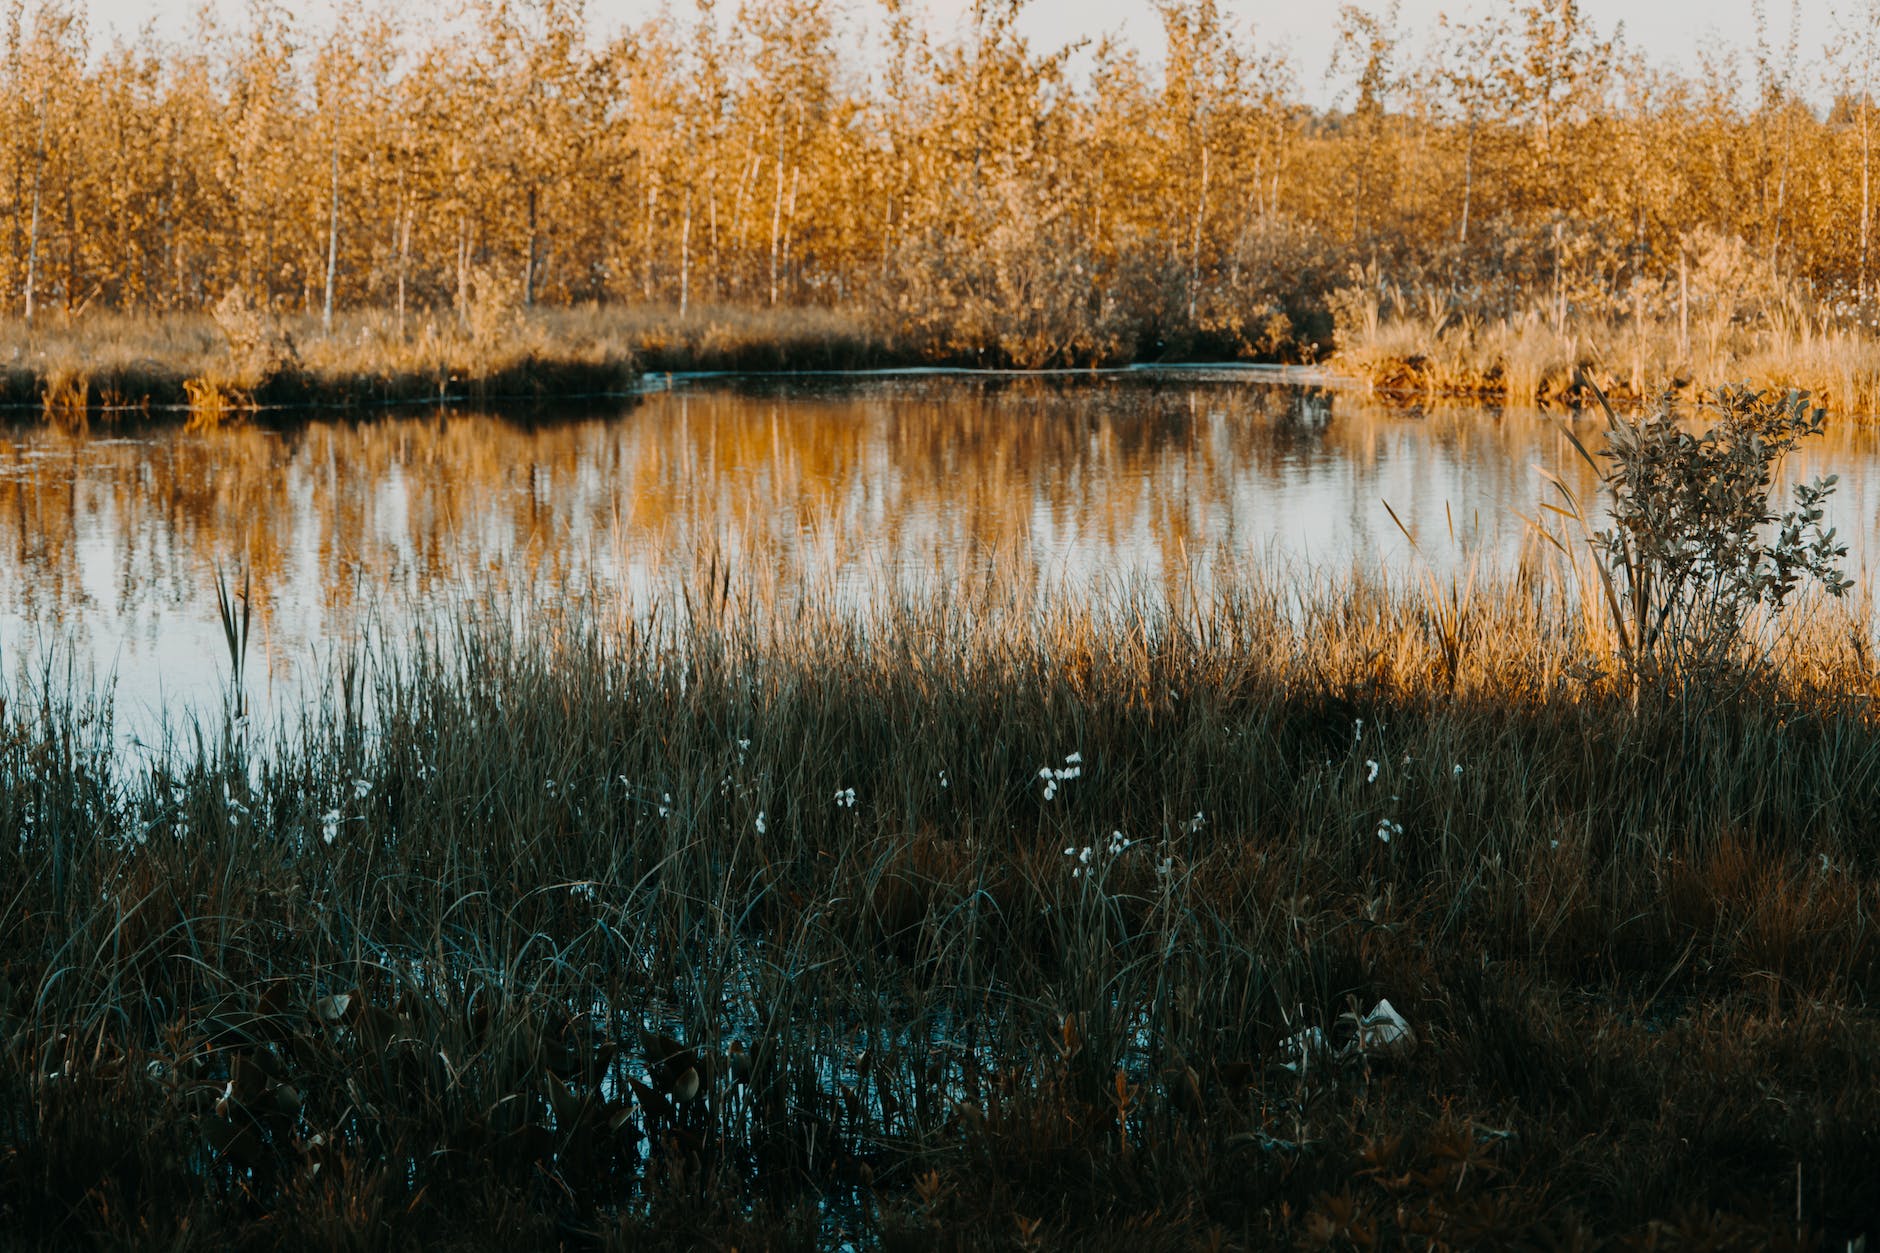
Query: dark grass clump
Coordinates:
[978,922]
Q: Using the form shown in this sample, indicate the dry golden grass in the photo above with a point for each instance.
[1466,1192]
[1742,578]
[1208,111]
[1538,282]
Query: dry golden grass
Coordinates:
[105,363]
[1527,360]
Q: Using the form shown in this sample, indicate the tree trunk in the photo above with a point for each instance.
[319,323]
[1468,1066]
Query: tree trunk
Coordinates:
[789,220]
[776,221]
[1194,247]
[685,259]
[463,270]
[1866,199]
[711,217]
[332,243]
[404,254]
[1468,182]
[32,245]
[646,242]
[745,177]
[528,262]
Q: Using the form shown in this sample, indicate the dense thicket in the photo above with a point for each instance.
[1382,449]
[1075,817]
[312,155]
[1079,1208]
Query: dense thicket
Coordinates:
[974,189]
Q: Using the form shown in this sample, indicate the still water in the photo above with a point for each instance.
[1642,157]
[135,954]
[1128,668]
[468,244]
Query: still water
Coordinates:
[110,542]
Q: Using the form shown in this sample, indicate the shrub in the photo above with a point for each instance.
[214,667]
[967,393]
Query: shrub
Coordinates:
[1696,566]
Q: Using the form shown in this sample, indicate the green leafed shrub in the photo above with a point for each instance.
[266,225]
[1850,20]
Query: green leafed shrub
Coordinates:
[1695,565]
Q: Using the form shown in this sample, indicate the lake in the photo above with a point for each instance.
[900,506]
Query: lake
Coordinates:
[110,542]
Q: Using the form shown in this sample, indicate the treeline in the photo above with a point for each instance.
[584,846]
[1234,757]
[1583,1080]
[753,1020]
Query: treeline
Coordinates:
[975,194]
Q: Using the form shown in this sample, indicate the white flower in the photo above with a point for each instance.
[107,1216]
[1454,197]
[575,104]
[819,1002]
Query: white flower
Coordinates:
[743,744]
[943,779]
[845,799]
[1455,771]
[760,822]
[1118,842]
[665,807]
[360,788]
[1387,829]
[1370,768]
[329,825]
[1165,867]
[1071,769]
[1357,730]
[1195,823]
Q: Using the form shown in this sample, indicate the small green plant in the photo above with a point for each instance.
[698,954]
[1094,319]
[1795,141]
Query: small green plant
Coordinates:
[235,624]
[1695,565]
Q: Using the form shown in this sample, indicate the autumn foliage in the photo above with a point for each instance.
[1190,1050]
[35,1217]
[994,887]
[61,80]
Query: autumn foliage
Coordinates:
[976,196]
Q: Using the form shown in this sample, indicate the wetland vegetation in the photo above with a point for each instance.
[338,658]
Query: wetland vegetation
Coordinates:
[407,978]
[1019,916]
[530,201]
[719,898]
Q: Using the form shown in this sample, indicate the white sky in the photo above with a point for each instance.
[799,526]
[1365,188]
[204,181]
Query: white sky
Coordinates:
[1668,31]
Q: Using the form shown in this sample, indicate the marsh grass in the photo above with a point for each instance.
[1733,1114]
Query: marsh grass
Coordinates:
[976,921]
[1530,358]
[242,356]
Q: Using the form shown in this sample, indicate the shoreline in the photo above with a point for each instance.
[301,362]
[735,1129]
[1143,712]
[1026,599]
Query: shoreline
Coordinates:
[109,368]
[1522,362]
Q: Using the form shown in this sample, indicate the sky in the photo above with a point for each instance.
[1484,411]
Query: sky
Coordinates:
[1668,31]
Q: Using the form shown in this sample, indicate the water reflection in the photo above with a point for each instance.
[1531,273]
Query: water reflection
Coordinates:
[113,541]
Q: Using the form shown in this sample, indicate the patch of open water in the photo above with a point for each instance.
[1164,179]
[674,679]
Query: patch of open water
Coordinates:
[110,543]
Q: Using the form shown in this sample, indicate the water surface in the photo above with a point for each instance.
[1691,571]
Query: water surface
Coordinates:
[110,541]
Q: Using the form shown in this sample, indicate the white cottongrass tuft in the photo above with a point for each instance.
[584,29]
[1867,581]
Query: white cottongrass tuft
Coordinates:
[1071,769]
